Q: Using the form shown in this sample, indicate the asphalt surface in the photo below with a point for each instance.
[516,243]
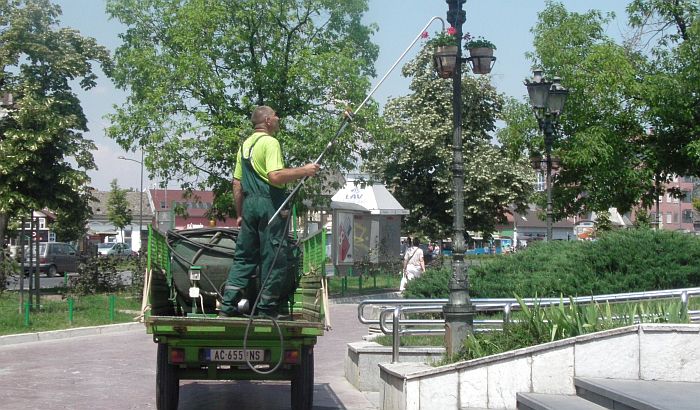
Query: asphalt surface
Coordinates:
[117,371]
[46,282]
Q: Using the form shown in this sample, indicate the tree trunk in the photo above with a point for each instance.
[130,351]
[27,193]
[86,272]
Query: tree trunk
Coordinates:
[4,218]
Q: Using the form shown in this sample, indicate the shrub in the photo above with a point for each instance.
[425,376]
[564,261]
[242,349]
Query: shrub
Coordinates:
[537,324]
[618,262]
[8,267]
[95,275]
[431,285]
[138,271]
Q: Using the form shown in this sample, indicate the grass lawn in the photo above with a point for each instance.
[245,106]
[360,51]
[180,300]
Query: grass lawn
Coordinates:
[90,310]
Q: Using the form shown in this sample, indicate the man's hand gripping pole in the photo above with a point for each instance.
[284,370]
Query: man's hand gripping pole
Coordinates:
[348,116]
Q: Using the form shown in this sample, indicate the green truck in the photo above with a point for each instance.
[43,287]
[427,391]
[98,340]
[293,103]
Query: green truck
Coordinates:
[186,272]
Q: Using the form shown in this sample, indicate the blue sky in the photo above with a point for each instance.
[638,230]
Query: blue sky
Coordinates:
[506,23]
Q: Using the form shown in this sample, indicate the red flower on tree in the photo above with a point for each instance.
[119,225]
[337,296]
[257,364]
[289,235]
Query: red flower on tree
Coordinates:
[424,34]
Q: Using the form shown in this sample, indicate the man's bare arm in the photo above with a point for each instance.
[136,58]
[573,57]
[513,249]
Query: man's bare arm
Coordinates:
[283,176]
[238,199]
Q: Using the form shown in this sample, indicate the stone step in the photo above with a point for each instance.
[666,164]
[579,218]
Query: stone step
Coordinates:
[539,401]
[639,394]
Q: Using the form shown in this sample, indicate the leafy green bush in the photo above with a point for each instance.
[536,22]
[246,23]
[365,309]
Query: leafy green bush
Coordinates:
[8,267]
[538,324]
[619,261]
[96,275]
[138,271]
[431,285]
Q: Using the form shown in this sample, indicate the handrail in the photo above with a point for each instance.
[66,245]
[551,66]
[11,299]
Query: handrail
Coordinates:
[397,307]
[502,304]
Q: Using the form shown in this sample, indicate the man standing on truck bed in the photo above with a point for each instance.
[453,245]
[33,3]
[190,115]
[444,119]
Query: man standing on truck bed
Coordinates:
[258,189]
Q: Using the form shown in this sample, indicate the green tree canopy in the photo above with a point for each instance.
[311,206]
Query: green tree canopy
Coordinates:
[599,138]
[414,155]
[668,36]
[195,69]
[631,120]
[43,154]
[71,224]
[118,211]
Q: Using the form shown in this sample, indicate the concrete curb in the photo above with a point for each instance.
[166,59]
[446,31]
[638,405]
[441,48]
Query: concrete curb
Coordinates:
[361,298]
[68,333]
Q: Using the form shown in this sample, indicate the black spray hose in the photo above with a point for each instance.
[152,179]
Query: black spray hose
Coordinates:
[274,322]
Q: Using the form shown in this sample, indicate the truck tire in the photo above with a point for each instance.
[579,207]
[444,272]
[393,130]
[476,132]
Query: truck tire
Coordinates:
[167,382]
[303,381]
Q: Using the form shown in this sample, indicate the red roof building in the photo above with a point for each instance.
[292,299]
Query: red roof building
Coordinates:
[195,204]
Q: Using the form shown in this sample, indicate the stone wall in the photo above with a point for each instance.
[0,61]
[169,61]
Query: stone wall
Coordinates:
[363,359]
[646,352]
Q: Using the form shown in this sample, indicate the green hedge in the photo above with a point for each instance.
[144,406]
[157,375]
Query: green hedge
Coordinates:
[619,261]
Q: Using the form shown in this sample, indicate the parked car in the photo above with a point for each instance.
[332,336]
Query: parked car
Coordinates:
[54,258]
[118,249]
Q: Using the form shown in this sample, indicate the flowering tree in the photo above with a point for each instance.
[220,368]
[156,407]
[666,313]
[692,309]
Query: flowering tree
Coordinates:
[43,155]
[414,155]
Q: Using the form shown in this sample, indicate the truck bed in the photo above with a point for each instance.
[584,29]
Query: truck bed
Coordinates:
[158,324]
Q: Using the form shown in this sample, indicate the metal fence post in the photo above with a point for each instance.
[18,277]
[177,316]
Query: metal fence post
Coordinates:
[396,335]
[684,303]
[506,314]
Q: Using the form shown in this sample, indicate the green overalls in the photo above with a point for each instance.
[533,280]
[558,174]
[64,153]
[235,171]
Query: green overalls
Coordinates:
[257,244]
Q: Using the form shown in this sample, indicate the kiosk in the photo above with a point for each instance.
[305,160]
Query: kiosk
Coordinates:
[366,226]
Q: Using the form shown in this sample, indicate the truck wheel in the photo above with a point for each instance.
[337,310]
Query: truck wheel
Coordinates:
[167,382]
[303,381]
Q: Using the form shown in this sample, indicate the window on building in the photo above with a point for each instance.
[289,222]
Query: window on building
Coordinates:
[675,217]
[687,216]
[687,197]
[162,204]
[540,184]
[688,179]
[669,218]
[42,223]
[668,198]
[652,217]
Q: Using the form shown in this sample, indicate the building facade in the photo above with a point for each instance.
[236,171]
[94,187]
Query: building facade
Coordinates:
[179,209]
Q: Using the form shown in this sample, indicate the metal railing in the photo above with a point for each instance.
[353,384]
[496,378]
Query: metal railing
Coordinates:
[397,308]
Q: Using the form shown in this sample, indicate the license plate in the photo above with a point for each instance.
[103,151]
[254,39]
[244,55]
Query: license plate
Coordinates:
[234,355]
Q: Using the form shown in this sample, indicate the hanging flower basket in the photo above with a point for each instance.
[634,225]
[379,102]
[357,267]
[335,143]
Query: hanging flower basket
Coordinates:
[445,59]
[482,59]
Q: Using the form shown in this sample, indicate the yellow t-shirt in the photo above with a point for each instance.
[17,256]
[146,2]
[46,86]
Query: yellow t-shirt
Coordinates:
[265,157]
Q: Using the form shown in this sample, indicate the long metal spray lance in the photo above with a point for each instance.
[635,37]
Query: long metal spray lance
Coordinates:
[350,114]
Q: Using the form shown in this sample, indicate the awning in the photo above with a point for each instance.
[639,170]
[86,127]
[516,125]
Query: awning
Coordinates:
[375,199]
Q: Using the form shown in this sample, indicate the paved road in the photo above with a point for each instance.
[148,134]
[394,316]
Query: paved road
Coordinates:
[46,282]
[117,371]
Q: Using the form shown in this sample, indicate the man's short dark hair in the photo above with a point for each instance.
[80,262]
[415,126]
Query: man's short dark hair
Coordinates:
[260,114]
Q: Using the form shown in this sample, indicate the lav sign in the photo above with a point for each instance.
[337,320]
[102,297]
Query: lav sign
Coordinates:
[354,195]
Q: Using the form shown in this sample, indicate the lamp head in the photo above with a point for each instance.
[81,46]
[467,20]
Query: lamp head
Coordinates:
[557,97]
[537,89]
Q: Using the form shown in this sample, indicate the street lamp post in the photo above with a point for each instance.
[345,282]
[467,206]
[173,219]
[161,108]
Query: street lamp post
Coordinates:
[459,311]
[140,196]
[547,99]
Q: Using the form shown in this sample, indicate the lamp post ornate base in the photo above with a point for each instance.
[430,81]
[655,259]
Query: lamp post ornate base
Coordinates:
[459,323]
